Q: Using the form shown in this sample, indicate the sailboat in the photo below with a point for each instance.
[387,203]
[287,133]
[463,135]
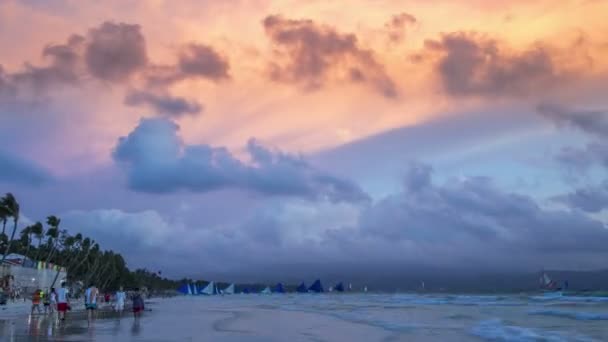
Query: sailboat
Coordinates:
[278,288]
[209,290]
[364,288]
[549,286]
[316,287]
[266,290]
[185,289]
[193,290]
[339,287]
[302,288]
[229,290]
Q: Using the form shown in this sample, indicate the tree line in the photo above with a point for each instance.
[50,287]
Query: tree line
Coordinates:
[81,256]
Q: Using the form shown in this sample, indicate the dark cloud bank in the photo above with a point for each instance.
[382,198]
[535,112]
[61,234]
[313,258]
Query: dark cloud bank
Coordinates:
[468,226]
[589,198]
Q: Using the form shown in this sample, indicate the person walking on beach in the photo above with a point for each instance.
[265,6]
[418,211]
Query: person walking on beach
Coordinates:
[62,301]
[120,298]
[36,297]
[138,304]
[53,300]
[46,301]
[90,300]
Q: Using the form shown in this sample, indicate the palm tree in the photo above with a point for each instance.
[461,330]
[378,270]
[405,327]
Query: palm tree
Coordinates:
[26,239]
[53,234]
[4,215]
[12,205]
[38,232]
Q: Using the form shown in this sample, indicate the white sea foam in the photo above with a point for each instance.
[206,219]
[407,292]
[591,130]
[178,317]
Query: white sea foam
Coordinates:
[576,315]
[497,330]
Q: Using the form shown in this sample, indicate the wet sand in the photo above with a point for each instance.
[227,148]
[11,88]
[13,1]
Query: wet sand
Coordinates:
[348,317]
[183,319]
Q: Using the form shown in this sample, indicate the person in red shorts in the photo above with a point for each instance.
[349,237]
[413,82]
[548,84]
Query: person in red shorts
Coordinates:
[62,301]
[138,304]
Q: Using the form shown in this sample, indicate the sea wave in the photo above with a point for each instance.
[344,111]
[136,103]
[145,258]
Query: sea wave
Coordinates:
[497,330]
[580,316]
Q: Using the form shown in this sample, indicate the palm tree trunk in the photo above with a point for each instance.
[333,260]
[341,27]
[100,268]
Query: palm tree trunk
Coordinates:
[81,261]
[10,242]
[39,249]
[59,270]
[53,248]
[27,250]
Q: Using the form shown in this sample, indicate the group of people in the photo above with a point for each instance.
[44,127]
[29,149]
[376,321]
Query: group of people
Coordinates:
[54,300]
[58,300]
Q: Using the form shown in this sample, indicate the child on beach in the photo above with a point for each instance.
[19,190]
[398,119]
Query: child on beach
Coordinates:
[36,297]
[120,300]
[138,304]
[53,300]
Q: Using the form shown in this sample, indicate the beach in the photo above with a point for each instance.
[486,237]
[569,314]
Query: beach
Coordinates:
[329,317]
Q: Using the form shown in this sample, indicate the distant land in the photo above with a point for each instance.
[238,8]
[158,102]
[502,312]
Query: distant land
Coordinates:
[444,281]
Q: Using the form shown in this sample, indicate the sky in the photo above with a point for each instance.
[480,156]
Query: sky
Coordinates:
[264,140]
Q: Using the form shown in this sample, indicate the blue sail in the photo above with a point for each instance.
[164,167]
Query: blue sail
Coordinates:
[339,287]
[302,288]
[184,288]
[278,288]
[316,287]
[246,291]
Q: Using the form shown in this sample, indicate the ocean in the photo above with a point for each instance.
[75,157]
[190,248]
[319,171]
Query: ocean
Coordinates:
[334,317]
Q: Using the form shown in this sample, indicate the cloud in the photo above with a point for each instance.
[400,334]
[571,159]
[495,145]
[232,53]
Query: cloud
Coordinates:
[114,52]
[16,170]
[310,54]
[198,60]
[592,199]
[157,160]
[397,25]
[194,61]
[471,64]
[581,159]
[466,221]
[594,122]
[458,225]
[62,69]
[163,104]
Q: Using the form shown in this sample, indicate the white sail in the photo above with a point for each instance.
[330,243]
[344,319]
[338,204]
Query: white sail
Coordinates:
[546,279]
[229,289]
[189,290]
[365,289]
[266,290]
[350,286]
[209,289]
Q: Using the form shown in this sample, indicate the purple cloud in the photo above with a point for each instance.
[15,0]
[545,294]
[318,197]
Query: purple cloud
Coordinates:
[156,160]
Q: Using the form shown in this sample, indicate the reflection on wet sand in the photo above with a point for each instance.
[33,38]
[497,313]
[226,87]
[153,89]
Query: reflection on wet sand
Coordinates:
[50,328]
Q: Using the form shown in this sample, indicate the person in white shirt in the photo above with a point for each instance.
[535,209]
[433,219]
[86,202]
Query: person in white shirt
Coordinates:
[53,300]
[62,301]
[120,298]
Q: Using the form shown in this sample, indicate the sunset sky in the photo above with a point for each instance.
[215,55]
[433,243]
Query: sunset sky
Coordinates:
[253,139]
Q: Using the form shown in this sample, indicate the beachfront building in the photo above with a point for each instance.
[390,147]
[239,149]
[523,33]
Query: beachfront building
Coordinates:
[23,275]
